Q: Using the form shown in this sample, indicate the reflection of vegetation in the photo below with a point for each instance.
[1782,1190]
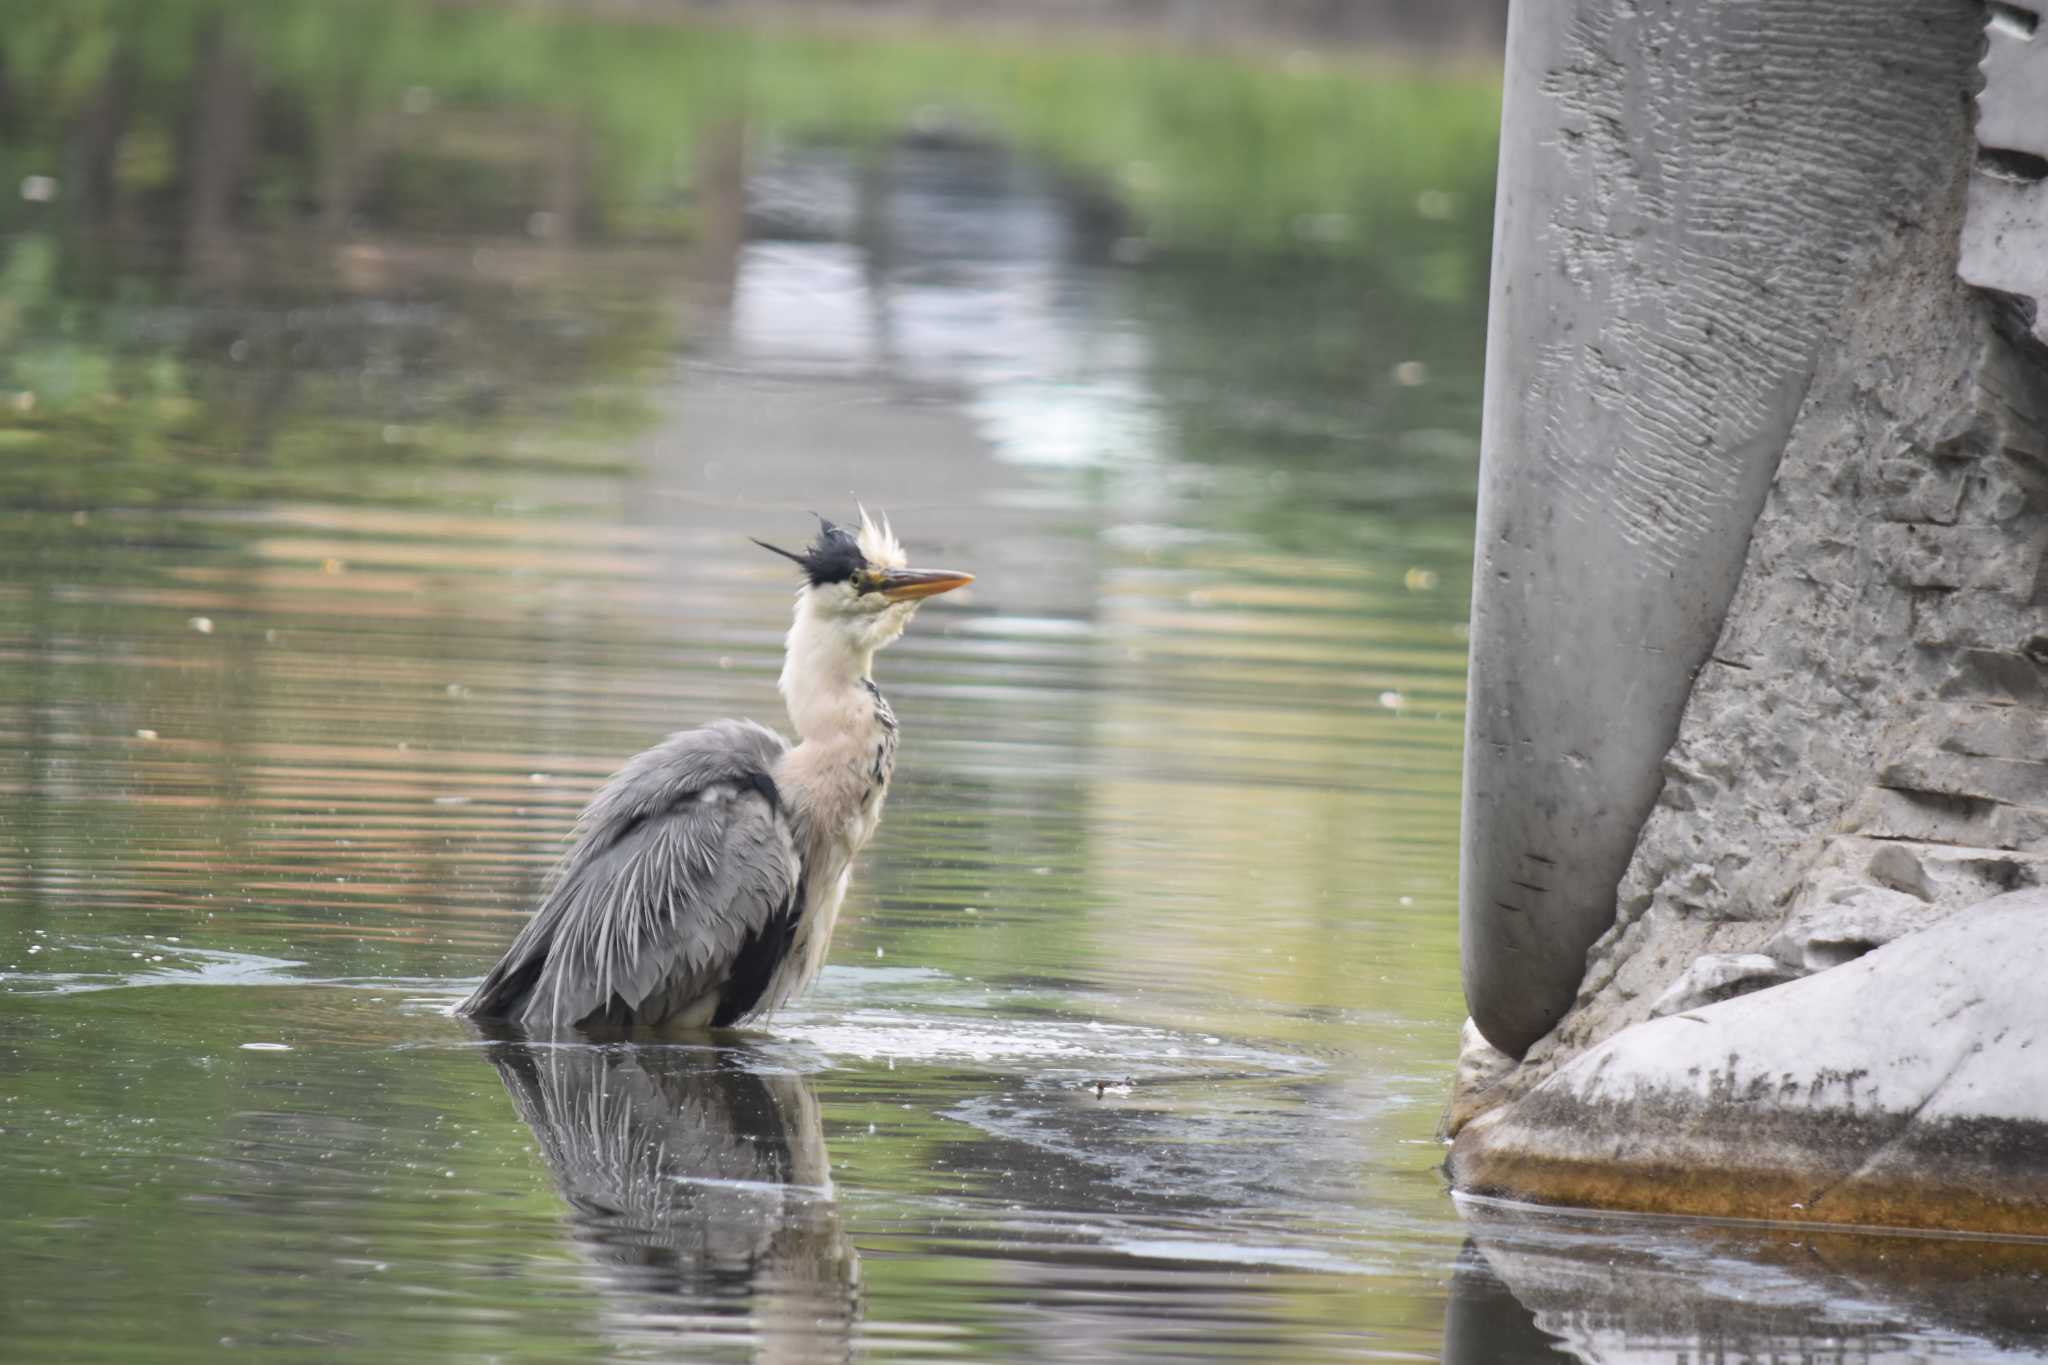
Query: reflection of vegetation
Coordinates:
[1208,150]
[307,139]
[137,398]
[1362,431]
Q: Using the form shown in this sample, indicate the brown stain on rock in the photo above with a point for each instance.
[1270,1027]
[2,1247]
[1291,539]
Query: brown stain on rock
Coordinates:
[1825,1167]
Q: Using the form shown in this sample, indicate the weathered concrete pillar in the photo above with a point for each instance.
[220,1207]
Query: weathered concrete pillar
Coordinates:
[1688,190]
[1818,999]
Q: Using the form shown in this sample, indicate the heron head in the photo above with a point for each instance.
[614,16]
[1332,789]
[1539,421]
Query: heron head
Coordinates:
[858,581]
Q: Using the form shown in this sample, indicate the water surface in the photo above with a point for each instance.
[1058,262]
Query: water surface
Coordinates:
[362,516]
[337,573]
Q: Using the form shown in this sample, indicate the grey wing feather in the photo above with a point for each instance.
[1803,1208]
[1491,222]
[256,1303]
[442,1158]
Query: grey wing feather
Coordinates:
[679,858]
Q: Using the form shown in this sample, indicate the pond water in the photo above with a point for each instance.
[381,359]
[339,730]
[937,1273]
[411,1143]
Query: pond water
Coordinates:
[340,565]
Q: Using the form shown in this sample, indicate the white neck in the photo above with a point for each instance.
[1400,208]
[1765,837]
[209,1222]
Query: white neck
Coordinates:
[822,674]
[836,779]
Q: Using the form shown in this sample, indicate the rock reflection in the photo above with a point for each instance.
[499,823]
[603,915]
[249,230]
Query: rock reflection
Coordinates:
[699,1190]
[1485,1324]
[1542,1285]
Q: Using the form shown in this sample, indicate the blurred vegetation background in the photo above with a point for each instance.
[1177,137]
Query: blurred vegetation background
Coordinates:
[166,162]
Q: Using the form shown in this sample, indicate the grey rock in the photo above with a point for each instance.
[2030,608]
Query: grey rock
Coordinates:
[1895,866]
[1922,556]
[1946,876]
[2005,238]
[1908,1088]
[1847,924]
[1720,976]
[1481,1068]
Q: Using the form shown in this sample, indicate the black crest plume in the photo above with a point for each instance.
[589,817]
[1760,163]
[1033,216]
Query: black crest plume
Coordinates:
[833,557]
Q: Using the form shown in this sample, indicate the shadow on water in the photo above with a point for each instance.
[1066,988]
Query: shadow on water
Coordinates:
[699,1190]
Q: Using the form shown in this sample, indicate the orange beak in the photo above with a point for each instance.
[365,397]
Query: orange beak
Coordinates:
[909,585]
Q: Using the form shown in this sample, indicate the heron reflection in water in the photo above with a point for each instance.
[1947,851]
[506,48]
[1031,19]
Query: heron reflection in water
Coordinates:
[705,876]
[699,1189]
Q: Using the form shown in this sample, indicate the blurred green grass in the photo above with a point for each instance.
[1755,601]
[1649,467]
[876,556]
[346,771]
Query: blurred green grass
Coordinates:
[1208,149]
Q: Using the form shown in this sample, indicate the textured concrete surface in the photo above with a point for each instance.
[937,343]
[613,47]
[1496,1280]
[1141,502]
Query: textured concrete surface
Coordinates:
[1908,1088]
[1688,193]
[1871,718]
[1717,977]
[2005,239]
[1860,767]
[1863,756]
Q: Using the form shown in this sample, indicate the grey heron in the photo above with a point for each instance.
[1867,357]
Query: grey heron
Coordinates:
[703,879]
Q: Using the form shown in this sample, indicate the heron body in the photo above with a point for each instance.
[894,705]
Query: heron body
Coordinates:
[704,878]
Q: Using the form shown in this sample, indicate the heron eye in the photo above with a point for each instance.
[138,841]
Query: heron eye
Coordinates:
[866,581]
